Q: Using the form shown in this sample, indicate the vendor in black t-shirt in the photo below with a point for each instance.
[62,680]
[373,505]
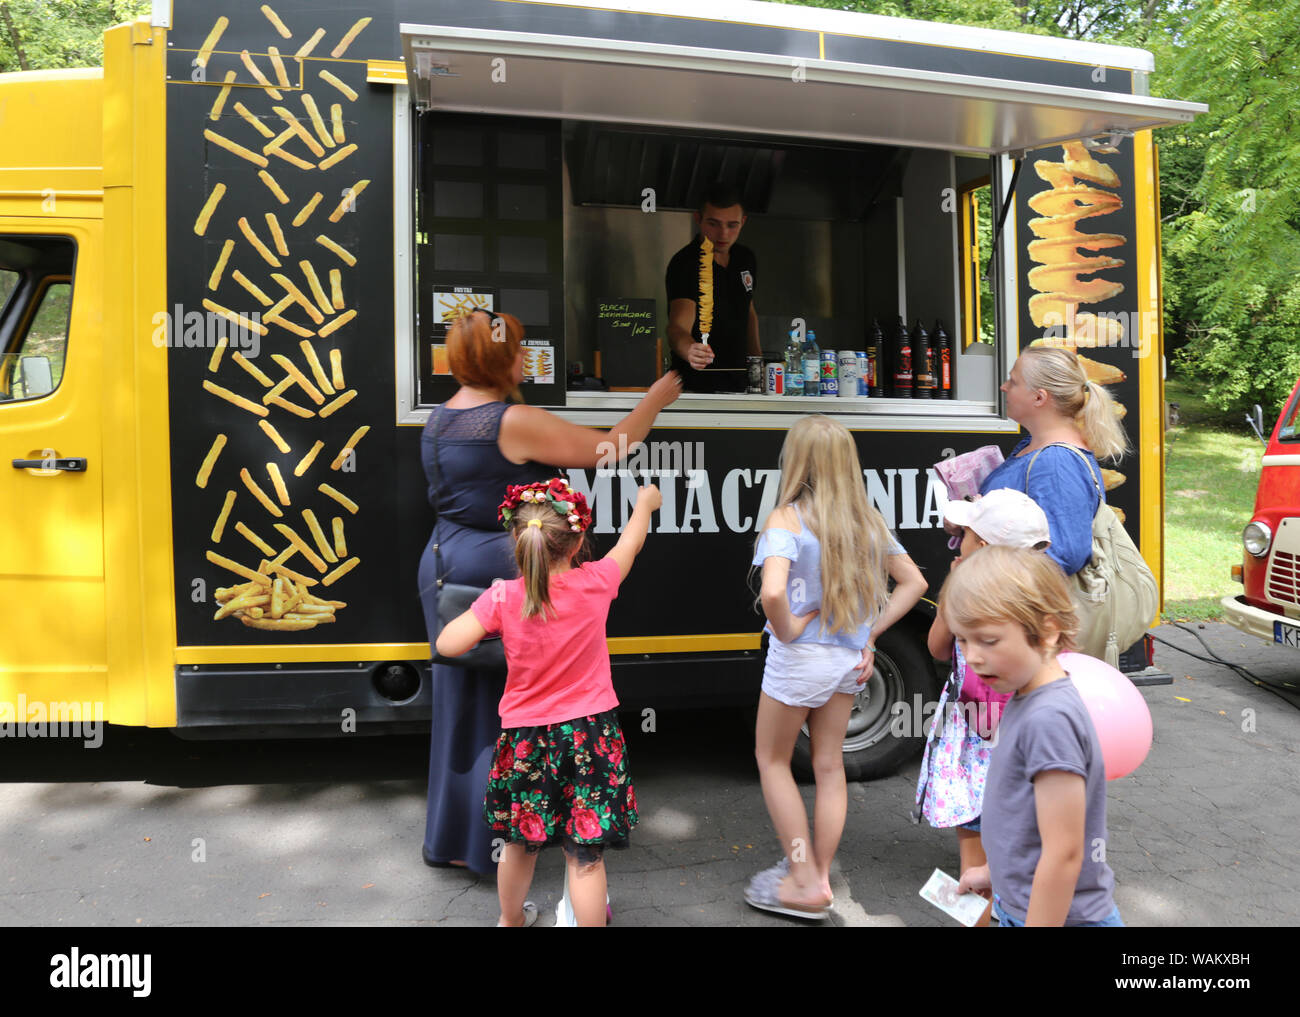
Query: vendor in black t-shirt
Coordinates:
[718,366]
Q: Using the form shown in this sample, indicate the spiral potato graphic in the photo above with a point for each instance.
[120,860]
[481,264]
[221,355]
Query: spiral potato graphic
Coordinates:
[1066,276]
[1069,262]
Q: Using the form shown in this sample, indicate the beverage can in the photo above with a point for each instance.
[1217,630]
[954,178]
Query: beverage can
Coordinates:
[755,365]
[864,374]
[848,371]
[830,377]
[776,379]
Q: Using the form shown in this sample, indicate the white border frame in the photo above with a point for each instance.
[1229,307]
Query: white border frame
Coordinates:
[604,409]
[404,337]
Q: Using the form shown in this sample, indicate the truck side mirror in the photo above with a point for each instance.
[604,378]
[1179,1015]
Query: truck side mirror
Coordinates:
[37,380]
[1256,421]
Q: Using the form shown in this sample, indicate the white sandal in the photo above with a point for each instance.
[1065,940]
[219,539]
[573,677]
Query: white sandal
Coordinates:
[530,915]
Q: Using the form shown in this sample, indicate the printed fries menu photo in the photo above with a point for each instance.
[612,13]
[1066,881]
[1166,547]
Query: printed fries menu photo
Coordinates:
[280,356]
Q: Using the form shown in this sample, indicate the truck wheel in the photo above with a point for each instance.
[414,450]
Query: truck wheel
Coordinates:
[873,746]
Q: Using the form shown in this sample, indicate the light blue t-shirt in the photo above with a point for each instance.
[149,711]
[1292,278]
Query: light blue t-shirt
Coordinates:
[803,587]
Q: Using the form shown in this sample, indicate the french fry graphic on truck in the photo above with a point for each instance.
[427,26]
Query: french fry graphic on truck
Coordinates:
[277,234]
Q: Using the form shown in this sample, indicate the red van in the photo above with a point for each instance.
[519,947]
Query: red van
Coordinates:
[1270,569]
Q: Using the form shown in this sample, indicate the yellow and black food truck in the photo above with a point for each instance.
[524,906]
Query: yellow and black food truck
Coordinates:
[228,259]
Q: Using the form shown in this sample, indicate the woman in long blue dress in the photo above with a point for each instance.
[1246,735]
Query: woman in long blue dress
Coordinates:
[485,444]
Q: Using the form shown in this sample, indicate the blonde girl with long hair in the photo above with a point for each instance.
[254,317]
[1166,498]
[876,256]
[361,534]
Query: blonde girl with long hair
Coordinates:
[1072,424]
[827,558]
[559,773]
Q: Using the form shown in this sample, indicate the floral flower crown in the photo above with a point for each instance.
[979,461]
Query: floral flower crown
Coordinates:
[557,492]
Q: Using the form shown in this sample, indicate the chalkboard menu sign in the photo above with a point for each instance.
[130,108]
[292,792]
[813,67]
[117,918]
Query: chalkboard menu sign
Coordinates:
[625,336]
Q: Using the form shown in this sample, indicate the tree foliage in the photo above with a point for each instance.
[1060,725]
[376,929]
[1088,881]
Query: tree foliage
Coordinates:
[48,34]
[1232,240]
[1002,14]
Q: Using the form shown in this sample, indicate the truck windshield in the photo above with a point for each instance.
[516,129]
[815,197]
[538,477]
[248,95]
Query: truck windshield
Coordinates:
[1287,432]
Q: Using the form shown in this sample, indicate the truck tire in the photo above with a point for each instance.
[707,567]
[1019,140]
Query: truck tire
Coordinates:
[878,740]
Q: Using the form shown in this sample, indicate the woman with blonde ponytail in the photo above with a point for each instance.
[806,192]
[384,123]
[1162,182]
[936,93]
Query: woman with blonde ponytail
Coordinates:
[827,558]
[1071,423]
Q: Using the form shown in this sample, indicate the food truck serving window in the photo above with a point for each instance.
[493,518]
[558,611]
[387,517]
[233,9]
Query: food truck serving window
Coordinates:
[587,233]
[559,179]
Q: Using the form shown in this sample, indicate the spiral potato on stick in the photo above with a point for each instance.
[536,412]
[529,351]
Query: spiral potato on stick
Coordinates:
[706,290]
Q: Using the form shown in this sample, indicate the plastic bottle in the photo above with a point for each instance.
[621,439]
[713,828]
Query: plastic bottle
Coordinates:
[793,367]
[812,364]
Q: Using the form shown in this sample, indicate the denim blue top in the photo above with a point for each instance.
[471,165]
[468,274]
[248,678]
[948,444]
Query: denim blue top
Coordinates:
[803,587]
[1061,485]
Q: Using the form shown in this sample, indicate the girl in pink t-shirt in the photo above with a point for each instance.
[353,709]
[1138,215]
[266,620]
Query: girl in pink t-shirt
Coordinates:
[560,770]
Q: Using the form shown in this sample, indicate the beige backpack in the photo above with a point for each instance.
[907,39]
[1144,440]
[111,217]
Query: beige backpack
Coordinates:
[1115,593]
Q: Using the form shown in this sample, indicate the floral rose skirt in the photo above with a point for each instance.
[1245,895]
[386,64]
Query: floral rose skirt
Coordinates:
[562,783]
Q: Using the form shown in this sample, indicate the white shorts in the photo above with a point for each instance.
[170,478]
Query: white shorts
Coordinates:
[808,674]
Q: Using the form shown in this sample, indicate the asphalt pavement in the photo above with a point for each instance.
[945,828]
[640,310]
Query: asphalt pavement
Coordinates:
[150,830]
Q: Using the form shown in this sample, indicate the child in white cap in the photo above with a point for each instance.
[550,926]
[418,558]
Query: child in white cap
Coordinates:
[950,789]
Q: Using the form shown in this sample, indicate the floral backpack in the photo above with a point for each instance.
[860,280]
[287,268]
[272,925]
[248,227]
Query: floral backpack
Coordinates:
[950,789]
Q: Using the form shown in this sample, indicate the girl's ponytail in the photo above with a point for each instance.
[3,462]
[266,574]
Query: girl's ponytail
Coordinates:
[548,522]
[534,562]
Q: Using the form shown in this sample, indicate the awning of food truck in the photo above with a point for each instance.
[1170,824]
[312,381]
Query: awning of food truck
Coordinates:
[529,74]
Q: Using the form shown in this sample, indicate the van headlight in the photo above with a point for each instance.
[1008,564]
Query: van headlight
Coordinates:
[1257,537]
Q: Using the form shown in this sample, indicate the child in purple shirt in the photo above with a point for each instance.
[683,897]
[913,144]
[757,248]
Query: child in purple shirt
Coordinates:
[1044,818]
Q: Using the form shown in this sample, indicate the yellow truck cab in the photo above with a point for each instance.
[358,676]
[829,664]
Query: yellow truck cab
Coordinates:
[227,261]
[57,395]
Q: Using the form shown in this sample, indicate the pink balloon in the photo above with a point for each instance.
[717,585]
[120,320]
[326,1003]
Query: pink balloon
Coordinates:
[1119,713]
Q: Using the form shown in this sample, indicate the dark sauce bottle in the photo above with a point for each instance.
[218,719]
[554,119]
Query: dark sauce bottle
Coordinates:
[944,354]
[901,361]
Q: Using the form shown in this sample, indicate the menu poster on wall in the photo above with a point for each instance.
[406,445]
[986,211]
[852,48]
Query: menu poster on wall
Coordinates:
[539,362]
[625,336]
[449,304]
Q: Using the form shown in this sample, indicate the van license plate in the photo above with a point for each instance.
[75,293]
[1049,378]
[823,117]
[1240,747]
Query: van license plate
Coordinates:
[1287,635]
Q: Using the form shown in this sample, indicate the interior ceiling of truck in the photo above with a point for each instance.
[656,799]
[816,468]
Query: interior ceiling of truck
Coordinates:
[613,165]
[524,74]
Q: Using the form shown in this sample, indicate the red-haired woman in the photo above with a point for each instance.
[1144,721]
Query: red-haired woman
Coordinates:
[483,445]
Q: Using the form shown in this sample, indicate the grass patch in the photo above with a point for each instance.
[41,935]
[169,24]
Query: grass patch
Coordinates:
[1212,463]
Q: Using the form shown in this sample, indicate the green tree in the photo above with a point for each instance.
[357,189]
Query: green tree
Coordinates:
[1003,14]
[50,34]
[1232,201]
